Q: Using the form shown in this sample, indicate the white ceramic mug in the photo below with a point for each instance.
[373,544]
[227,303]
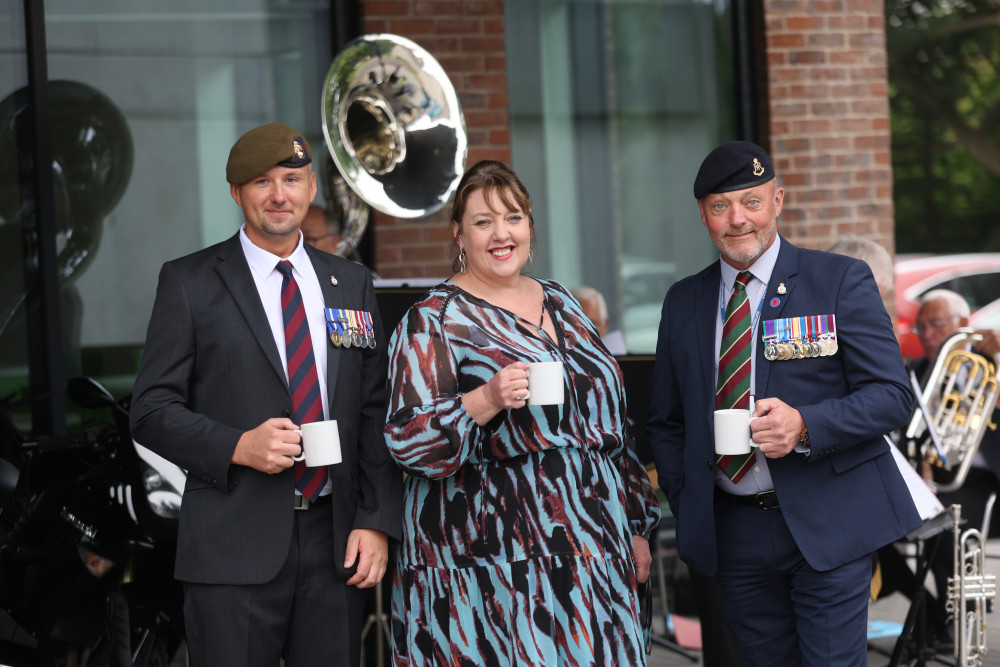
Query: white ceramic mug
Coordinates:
[320,443]
[732,432]
[546,383]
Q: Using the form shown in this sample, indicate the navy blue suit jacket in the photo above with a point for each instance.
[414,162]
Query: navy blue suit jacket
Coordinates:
[847,498]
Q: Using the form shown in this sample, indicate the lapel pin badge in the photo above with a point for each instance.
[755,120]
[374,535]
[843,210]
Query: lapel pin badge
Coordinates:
[781,288]
[333,281]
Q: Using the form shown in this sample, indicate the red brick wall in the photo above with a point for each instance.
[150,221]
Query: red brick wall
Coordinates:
[467,38]
[828,119]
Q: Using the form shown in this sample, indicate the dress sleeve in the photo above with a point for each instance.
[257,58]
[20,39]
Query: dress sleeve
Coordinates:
[428,431]
[641,503]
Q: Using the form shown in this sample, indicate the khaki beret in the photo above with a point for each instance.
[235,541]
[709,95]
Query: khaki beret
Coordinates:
[735,165]
[264,147]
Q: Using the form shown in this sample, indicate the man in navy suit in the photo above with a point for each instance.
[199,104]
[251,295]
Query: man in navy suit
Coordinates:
[270,571]
[790,540]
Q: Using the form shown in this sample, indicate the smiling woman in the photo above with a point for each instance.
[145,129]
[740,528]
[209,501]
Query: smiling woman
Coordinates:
[495,514]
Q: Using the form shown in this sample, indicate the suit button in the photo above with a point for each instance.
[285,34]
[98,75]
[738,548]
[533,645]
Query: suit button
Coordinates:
[711,465]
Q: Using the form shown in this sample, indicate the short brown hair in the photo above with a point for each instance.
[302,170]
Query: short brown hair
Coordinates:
[491,176]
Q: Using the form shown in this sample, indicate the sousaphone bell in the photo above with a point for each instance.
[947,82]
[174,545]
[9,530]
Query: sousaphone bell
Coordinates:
[394,126]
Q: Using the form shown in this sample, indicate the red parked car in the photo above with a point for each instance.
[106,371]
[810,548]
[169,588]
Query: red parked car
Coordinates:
[976,276]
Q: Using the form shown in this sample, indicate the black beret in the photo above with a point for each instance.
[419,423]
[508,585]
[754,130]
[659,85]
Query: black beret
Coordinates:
[735,165]
[274,144]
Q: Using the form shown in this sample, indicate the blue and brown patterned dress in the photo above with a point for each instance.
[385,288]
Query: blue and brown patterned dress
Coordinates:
[517,535]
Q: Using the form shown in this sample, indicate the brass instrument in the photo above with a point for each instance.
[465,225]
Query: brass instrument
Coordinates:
[394,125]
[957,402]
[968,592]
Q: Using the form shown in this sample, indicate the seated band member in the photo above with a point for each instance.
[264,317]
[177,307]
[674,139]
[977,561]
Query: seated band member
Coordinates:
[941,313]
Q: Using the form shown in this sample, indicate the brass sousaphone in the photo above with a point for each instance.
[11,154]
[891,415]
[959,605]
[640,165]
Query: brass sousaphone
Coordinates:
[394,126]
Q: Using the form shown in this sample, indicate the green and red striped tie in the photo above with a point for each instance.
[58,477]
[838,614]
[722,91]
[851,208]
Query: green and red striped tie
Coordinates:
[733,388]
[303,381]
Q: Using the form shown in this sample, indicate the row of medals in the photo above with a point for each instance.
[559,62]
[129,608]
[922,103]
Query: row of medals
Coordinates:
[800,349]
[352,337]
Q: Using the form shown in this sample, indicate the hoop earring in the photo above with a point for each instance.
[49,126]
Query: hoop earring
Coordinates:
[459,264]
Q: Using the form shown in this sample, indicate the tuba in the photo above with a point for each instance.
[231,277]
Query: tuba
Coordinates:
[394,126]
[969,591]
[955,407]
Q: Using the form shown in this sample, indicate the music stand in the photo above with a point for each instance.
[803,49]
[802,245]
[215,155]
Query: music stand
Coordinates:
[913,638]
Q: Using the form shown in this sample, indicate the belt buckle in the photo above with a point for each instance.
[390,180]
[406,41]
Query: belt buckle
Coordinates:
[301,502]
[767,500]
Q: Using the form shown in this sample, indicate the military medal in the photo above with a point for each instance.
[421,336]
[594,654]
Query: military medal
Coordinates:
[366,319]
[356,338]
[332,327]
[345,337]
[770,341]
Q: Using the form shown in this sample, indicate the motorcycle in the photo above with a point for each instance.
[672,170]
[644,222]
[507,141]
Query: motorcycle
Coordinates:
[88,530]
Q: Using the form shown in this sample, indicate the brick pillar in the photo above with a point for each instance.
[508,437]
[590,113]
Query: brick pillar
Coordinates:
[828,122]
[467,38]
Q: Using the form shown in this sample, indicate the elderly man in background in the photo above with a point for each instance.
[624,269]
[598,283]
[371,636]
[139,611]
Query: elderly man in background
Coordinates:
[874,255]
[596,308]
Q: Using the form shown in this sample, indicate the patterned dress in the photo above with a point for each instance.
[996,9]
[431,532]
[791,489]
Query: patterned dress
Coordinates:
[517,536]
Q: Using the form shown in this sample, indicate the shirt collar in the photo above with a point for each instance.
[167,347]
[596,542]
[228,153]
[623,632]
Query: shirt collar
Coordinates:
[761,269]
[263,262]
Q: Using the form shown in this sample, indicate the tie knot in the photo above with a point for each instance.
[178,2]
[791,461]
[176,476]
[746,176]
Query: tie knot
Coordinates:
[741,280]
[285,267]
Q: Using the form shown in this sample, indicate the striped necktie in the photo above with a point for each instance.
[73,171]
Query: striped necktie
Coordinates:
[733,388]
[303,382]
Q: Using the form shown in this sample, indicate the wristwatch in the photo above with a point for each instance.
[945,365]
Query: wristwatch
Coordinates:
[804,436]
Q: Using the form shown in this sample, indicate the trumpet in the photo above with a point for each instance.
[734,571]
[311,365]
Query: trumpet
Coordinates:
[955,406]
[968,592]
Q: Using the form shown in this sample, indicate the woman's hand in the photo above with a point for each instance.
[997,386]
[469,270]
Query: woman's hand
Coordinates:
[509,387]
[505,390]
[643,559]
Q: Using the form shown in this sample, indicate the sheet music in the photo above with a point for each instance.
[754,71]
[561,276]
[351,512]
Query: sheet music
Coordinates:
[927,503]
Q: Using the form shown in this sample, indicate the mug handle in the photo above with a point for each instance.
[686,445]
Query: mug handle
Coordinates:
[753,444]
[302,449]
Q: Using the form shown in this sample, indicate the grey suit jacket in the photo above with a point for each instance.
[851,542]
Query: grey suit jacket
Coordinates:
[211,371]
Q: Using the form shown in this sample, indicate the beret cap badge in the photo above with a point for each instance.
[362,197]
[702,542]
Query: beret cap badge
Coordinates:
[758,168]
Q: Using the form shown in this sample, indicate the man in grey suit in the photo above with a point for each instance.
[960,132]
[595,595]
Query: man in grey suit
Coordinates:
[271,569]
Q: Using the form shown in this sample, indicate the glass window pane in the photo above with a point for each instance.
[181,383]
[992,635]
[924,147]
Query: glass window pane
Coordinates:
[613,105]
[185,79]
[15,205]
